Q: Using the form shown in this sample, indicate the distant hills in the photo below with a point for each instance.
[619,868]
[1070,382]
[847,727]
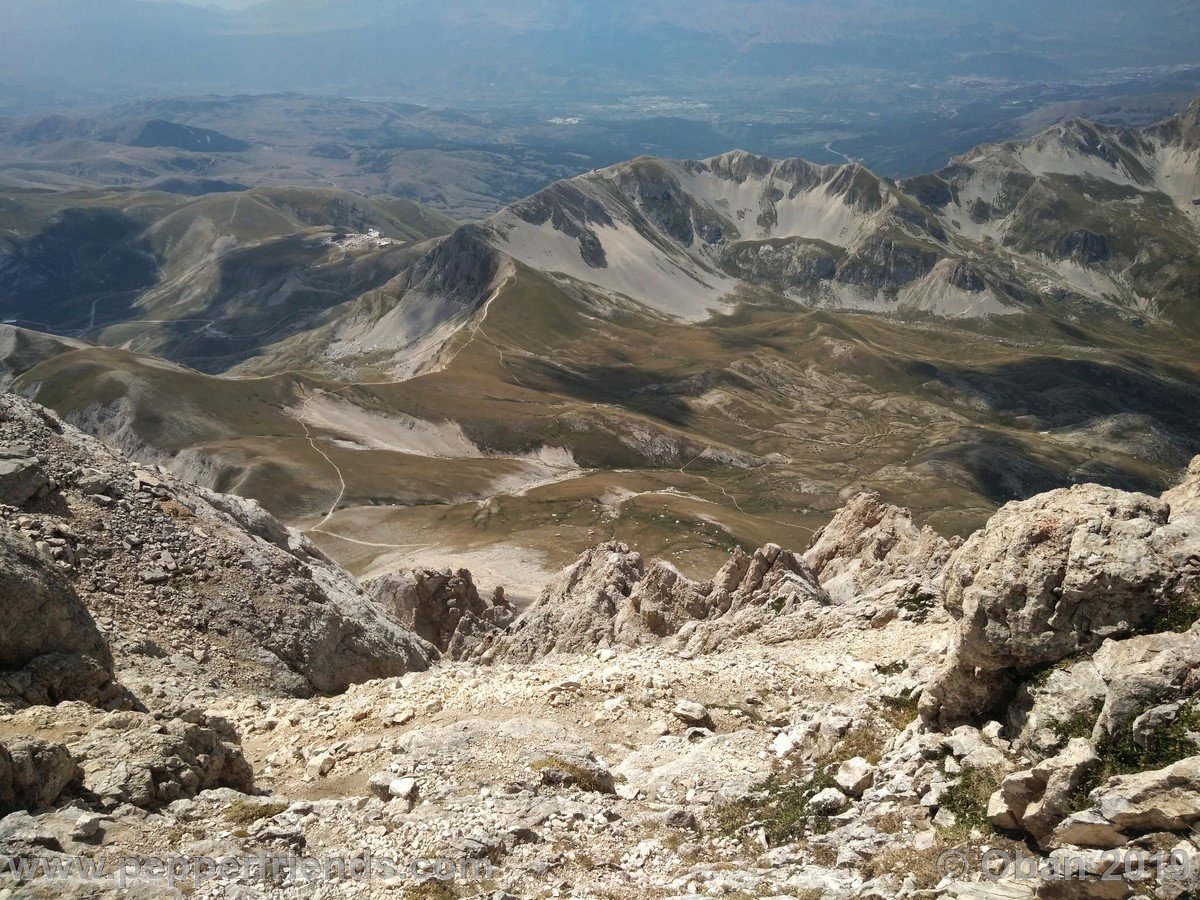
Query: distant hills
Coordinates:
[527,88]
[208,281]
[1082,221]
[682,354]
[455,163]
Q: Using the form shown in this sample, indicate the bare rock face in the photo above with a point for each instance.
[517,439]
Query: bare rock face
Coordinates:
[873,550]
[1038,799]
[665,600]
[145,761]
[750,593]
[21,475]
[1158,801]
[1044,580]
[1145,672]
[610,598]
[8,796]
[34,774]
[1179,542]
[1108,691]
[576,610]
[204,592]
[444,607]
[1185,497]
[50,647]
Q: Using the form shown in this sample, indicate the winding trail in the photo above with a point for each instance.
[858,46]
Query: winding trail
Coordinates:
[372,544]
[850,159]
[337,469]
[478,326]
[733,500]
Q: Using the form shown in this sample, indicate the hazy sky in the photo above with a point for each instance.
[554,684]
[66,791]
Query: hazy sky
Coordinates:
[223,4]
[544,53]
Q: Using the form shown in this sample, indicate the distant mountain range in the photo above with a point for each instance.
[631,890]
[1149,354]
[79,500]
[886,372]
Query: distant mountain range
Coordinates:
[1081,221]
[730,344]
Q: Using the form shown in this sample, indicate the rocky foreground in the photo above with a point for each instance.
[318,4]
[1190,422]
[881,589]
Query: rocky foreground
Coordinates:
[182,675]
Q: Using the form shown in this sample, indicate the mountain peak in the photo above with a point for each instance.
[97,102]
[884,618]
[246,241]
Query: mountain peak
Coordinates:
[1189,124]
[1182,129]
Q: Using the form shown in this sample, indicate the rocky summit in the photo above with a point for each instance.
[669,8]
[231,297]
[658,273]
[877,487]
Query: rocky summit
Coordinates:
[883,714]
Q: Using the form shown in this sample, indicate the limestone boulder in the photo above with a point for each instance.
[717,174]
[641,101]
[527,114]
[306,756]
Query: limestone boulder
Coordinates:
[1046,579]
[50,647]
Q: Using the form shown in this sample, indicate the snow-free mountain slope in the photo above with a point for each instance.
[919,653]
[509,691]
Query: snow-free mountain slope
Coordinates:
[1078,215]
[654,343]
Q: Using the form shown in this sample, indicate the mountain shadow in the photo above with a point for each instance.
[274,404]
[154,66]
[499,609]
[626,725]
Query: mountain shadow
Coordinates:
[86,265]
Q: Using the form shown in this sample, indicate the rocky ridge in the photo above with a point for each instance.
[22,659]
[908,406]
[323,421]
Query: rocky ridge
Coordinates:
[817,724]
[196,593]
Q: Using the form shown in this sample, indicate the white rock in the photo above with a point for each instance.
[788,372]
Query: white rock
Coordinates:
[403,788]
[828,800]
[690,713]
[397,714]
[783,744]
[321,765]
[854,776]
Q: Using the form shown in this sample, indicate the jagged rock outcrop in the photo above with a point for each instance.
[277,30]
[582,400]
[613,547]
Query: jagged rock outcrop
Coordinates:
[1044,580]
[873,551]
[749,593]
[50,647]
[1178,544]
[784,265]
[138,759]
[107,759]
[665,601]
[1036,800]
[192,590]
[610,598]
[1184,498]
[1163,800]
[442,607]
[1081,606]
[1106,692]
[8,796]
[576,610]
[885,263]
[21,475]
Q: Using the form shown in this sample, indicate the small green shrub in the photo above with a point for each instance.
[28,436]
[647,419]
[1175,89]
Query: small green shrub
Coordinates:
[1079,725]
[245,813]
[1120,755]
[781,806]
[968,797]
[570,774]
[432,889]
[861,741]
[900,713]
[1178,612]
